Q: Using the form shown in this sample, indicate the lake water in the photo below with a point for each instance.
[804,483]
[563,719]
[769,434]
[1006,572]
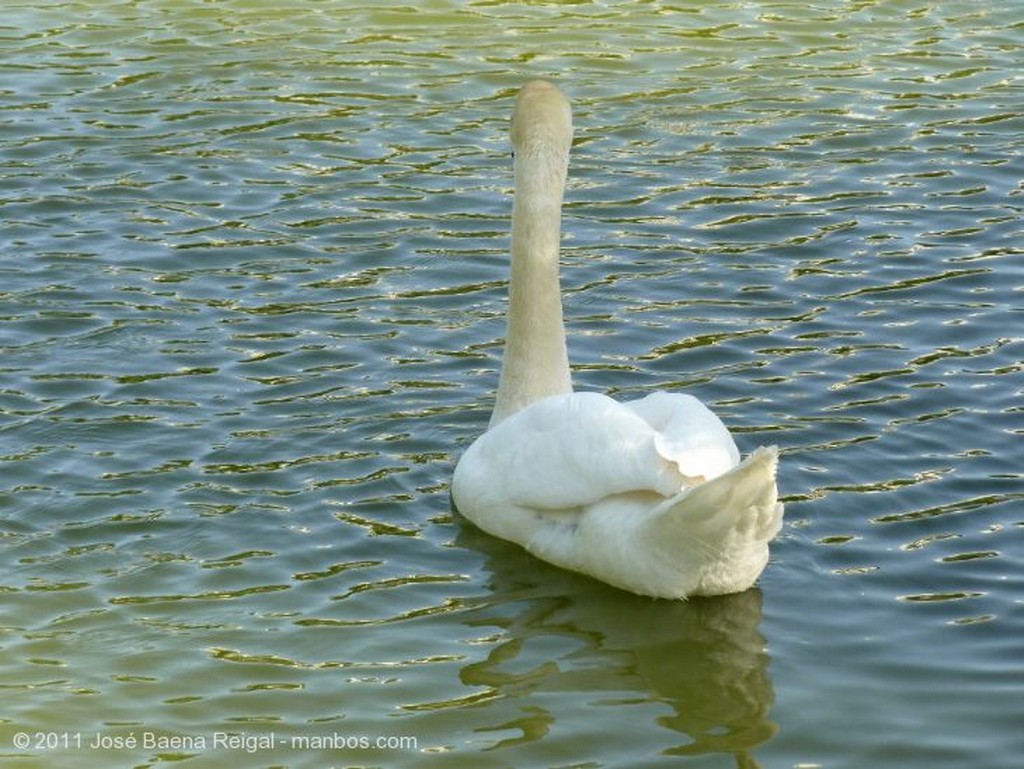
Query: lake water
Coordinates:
[252,265]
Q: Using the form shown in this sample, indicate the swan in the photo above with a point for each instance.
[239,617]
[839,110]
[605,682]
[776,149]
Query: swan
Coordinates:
[649,495]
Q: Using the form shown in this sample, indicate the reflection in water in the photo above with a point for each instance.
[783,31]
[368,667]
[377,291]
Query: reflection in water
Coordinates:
[703,658]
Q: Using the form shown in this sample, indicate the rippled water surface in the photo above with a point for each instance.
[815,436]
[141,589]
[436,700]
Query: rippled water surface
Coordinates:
[251,306]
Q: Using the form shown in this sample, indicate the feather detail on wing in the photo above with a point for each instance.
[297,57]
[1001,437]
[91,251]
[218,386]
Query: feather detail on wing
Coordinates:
[688,433]
[569,451]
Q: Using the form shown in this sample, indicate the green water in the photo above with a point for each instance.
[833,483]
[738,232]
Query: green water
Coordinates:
[252,265]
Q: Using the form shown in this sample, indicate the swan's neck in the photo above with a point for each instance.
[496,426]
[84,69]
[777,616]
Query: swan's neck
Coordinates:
[535,363]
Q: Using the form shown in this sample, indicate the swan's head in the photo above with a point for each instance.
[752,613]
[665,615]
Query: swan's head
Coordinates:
[542,121]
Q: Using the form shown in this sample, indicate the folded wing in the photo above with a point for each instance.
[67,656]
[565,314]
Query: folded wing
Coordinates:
[570,451]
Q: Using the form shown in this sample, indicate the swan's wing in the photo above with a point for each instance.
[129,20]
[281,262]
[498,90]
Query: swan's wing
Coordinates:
[722,527]
[569,451]
[688,433]
[743,500]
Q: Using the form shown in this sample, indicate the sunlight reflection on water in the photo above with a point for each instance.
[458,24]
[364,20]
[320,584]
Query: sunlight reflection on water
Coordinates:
[252,308]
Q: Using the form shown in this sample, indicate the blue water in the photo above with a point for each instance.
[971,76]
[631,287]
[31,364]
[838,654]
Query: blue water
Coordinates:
[251,306]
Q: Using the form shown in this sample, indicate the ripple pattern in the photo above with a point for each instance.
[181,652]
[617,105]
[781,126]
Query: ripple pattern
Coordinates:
[251,307]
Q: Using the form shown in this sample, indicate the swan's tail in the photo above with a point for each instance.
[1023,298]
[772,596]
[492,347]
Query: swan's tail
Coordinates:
[725,523]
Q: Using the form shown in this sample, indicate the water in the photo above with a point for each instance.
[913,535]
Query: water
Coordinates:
[252,302]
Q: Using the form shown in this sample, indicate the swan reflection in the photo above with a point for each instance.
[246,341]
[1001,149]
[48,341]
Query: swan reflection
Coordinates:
[704,659]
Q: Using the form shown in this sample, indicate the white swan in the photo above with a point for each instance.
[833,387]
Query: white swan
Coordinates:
[650,495]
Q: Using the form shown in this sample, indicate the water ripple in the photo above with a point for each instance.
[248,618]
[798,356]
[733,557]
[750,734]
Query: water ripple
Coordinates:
[251,310]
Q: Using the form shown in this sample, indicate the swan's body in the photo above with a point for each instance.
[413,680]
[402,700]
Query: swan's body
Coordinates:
[648,495]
